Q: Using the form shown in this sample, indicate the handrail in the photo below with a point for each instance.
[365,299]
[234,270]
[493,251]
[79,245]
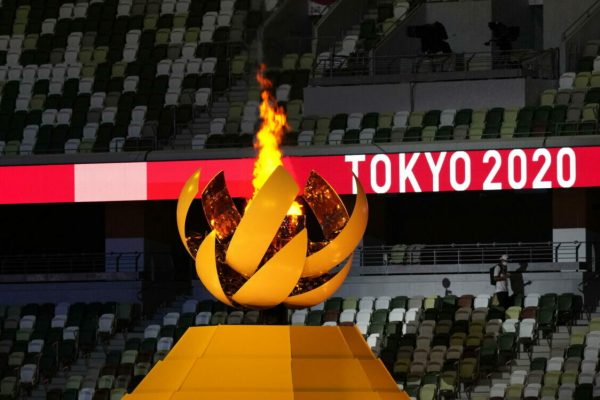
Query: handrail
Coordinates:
[541,64]
[347,12]
[73,262]
[323,16]
[260,32]
[471,253]
[574,37]
[414,6]
[569,31]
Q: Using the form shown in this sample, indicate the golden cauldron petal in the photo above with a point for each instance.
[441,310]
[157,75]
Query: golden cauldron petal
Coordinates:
[219,209]
[206,268]
[261,222]
[325,204]
[186,197]
[344,243]
[275,280]
[321,293]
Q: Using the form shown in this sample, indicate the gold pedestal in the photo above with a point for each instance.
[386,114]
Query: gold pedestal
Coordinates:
[269,362]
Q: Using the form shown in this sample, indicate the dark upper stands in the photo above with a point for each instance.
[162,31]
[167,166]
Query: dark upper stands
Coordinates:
[114,75]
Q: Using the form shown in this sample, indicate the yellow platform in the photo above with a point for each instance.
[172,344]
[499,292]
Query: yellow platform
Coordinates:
[269,363]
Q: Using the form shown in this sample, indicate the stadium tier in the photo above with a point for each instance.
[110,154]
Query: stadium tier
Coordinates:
[432,345]
[121,76]
[135,133]
[88,76]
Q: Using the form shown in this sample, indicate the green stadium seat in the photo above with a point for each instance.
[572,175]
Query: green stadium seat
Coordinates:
[431,118]
[351,137]
[491,132]
[339,121]
[585,64]
[494,117]
[314,318]
[412,134]
[444,133]
[475,132]
[595,80]
[429,133]
[415,119]
[385,120]
[371,120]
[593,95]
[547,97]
[582,80]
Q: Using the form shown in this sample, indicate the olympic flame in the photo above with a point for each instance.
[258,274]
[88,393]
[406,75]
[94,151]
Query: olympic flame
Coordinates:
[268,138]
[263,256]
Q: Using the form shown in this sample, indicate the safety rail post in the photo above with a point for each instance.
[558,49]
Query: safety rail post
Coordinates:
[361,254]
[530,254]
[137,257]
[481,253]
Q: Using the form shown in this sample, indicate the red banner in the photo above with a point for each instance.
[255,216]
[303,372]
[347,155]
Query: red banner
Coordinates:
[513,169]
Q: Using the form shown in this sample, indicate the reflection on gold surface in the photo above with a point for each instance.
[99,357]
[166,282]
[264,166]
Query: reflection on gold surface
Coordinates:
[220,211]
[326,205]
[265,257]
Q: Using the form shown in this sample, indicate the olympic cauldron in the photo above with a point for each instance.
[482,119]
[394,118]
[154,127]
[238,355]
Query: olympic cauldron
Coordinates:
[262,256]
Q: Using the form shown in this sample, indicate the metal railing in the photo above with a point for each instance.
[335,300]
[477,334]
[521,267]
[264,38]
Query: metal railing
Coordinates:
[583,18]
[400,22]
[336,21]
[399,254]
[478,253]
[71,263]
[529,63]
[575,36]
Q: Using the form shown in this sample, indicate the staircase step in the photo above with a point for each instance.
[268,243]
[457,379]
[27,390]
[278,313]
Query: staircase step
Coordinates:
[579,329]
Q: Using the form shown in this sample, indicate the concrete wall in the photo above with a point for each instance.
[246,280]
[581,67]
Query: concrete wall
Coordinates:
[425,96]
[332,100]
[23,293]
[535,87]
[558,15]
[469,94]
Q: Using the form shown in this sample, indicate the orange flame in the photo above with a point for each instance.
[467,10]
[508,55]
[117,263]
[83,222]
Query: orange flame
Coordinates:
[268,137]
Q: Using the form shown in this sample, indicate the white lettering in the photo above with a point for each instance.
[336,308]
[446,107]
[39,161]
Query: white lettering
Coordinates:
[560,168]
[354,160]
[435,168]
[489,183]
[406,172]
[464,185]
[387,181]
[512,156]
[539,182]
